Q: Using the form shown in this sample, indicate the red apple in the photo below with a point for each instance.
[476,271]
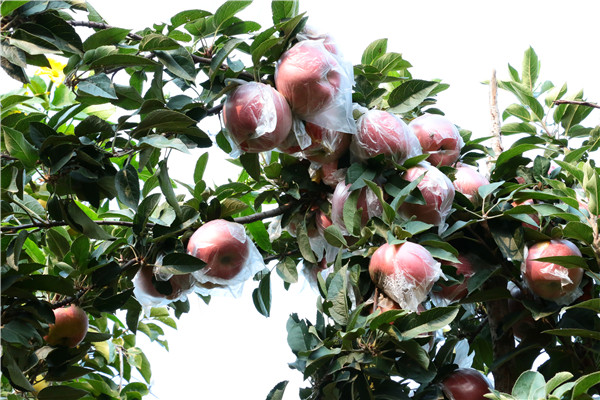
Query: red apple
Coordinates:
[178,284]
[547,280]
[437,191]
[367,201]
[458,291]
[380,132]
[331,174]
[69,328]
[223,246]
[405,272]
[533,216]
[467,181]
[438,137]
[466,384]
[308,76]
[257,117]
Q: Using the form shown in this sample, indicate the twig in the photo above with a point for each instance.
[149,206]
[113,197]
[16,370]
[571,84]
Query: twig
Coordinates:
[577,102]
[52,224]
[263,215]
[496,130]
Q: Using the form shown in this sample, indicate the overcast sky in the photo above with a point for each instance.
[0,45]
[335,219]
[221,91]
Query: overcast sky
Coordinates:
[227,350]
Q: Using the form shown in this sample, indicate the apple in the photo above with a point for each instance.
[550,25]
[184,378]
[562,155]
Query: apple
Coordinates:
[547,280]
[69,328]
[404,272]
[466,384]
[257,117]
[309,77]
[523,326]
[223,246]
[438,137]
[178,284]
[367,201]
[533,216]
[381,132]
[458,291]
[467,181]
[310,33]
[437,191]
[331,175]
[327,145]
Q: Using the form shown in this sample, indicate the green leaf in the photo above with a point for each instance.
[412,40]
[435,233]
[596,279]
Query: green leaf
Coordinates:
[258,232]
[165,120]
[19,147]
[49,283]
[584,333]
[229,9]
[221,56]
[531,69]
[556,380]
[251,164]
[409,95]
[591,184]
[105,37]
[144,212]
[518,127]
[155,41]
[334,236]
[14,373]
[530,385]
[284,9]
[304,243]
[287,270]
[278,390]
[121,60]
[82,223]
[575,155]
[167,187]
[262,295]
[98,85]
[187,16]
[485,190]
[8,7]
[161,142]
[518,111]
[127,184]
[579,231]
[430,320]
[583,384]
[200,167]
[179,62]
[181,263]
[337,294]
[373,51]
[592,304]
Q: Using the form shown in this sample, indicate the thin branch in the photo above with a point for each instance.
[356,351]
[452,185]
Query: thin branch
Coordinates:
[496,130]
[215,110]
[52,224]
[577,102]
[99,25]
[263,215]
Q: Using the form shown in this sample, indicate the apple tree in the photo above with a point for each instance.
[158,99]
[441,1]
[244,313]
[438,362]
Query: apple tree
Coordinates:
[438,257]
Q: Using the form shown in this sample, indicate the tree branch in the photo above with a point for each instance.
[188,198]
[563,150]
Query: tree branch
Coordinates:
[262,215]
[496,130]
[577,102]
[52,224]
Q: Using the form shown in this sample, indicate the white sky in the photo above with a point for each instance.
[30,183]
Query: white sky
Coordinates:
[229,351]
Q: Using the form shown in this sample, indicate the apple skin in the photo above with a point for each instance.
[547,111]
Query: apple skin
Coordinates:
[381,132]
[458,291]
[437,191]
[438,137]
[308,76]
[257,117]
[327,145]
[69,328]
[367,201]
[466,384]
[223,246]
[404,272]
[467,181]
[547,280]
[178,283]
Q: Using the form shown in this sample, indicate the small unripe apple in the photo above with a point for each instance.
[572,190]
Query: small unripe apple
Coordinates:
[466,384]
[367,201]
[257,117]
[404,272]
[438,137]
[309,77]
[458,291]
[381,132]
[69,328]
[467,181]
[223,246]
[547,280]
[437,191]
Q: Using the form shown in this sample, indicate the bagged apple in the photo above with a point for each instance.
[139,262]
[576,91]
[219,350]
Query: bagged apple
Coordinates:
[438,137]
[155,288]
[317,84]
[231,257]
[326,145]
[367,202]
[467,180]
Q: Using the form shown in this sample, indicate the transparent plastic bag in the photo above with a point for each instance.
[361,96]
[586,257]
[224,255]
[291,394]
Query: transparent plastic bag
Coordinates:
[317,85]
[467,180]
[231,257]
[442,295]
[438,137]
[381,132]
[325,145]
[367,201]
[405,272]
[257,118]
[437,191]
